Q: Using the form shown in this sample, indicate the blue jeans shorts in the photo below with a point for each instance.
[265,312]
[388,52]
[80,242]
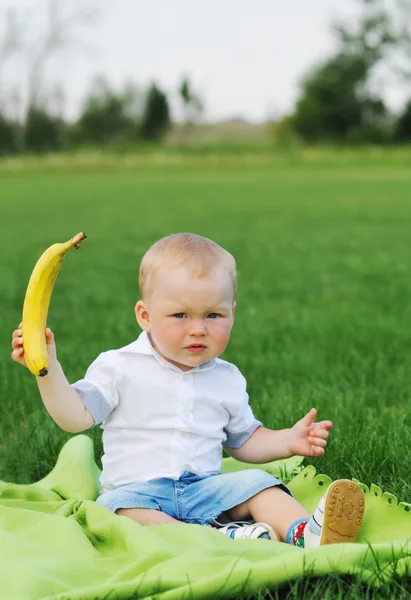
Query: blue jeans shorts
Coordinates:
[192,498]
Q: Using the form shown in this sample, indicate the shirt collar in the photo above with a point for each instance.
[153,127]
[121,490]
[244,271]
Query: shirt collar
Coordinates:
[142,345]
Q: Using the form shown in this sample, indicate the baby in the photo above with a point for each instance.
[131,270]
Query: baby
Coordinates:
[168,406]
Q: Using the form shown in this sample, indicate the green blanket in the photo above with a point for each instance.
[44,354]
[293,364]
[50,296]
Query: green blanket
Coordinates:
[57,543]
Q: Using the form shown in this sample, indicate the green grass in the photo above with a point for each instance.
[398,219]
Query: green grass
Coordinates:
[323,311]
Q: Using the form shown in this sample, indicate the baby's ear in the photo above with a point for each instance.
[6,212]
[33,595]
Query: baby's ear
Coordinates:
[233,309]
[142,316]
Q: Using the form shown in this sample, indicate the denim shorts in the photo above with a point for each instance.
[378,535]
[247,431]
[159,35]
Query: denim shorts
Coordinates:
[192,498]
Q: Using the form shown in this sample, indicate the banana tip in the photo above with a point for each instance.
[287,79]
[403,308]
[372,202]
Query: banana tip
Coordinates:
[43,372]
[76,239]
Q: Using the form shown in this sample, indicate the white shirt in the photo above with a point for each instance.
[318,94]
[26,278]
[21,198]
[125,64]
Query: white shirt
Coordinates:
[159,421]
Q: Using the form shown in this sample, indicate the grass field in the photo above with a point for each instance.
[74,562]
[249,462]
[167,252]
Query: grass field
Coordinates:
[323,308]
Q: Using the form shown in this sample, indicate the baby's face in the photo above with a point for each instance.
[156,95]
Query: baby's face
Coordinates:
[190,318]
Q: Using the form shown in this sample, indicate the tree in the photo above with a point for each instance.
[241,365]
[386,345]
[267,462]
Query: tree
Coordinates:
[108,115]
[61,33]
[27,100]
[403,126]
[156,117]
[192,105]
[192,108]
[340,99]
[42,132]
[104,116]
[9,136]
[336,104]
[330,106]
[10,45]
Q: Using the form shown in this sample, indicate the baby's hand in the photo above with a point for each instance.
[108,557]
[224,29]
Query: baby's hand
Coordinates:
[18,350]
[308,438]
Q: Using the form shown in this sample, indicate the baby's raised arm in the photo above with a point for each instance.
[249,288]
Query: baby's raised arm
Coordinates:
[61,400]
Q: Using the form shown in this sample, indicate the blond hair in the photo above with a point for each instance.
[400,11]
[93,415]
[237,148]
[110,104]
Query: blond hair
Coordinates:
[197,252]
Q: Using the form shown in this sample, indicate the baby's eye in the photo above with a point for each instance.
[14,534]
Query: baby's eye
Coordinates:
[213,315]
[179,315]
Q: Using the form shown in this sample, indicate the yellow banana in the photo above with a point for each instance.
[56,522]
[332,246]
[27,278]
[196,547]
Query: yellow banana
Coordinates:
[37,301]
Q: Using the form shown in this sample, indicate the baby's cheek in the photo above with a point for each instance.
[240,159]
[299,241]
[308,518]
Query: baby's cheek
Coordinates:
[176,336]
[222,335]
[170,337]
[165,336]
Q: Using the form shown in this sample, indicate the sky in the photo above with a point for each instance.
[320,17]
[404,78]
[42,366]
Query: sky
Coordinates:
[244,58]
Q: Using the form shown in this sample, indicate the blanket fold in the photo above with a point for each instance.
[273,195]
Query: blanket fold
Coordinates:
[56,542]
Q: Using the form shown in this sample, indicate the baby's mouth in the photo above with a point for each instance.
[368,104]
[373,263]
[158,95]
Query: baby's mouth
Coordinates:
[196,347]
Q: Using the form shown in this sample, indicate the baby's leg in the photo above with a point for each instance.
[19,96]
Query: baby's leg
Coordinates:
[273,506]
[337,518]
[146,516]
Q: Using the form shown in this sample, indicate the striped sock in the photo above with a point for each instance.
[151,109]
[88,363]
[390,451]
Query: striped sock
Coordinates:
[295,534]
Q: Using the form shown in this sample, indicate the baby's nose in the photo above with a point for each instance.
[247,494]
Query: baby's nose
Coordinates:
[197,327]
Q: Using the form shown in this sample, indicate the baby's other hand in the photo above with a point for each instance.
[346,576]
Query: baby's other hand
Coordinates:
[17,344]
[308,438]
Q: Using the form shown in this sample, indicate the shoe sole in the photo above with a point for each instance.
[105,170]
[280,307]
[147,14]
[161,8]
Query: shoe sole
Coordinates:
[343,514]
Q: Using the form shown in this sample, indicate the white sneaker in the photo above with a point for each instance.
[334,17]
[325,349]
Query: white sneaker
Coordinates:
[241,531]
[338,516]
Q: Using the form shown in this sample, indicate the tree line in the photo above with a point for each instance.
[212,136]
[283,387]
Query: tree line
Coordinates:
[341,99]
[107,117]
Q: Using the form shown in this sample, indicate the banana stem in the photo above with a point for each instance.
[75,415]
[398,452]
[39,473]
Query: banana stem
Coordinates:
[76,239]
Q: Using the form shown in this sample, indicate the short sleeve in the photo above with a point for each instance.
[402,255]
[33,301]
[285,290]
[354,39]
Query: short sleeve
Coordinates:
[242,423]
[98,390]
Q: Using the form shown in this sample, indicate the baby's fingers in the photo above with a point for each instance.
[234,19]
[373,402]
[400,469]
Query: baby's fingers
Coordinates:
[17,340]
[49,336]
[318,442]
[17,344]
[319,433]
[17,354]
[323,425]
[317,451]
